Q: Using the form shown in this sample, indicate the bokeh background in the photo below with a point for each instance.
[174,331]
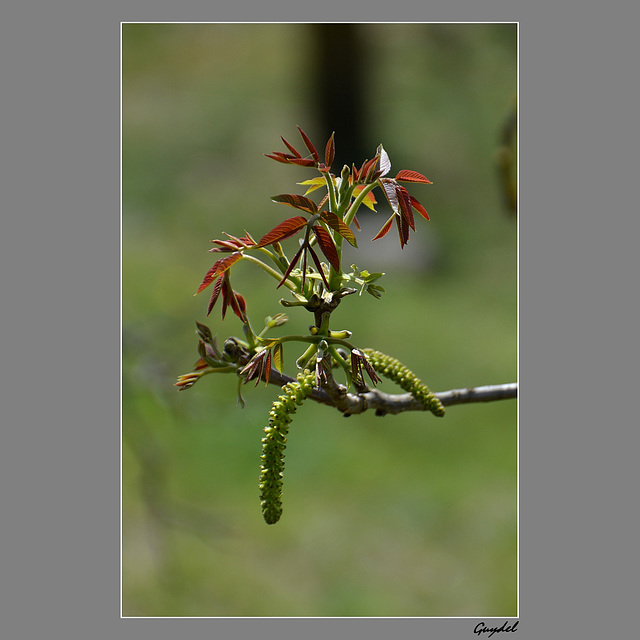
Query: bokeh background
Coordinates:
[405,515]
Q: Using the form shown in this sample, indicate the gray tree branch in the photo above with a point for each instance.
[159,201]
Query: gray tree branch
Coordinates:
[335,395]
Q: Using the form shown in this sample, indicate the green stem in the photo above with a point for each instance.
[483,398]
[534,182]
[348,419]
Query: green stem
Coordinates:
[335,277]
[314,340]
[342,362]
[333,206]
[272,272]
[353,209]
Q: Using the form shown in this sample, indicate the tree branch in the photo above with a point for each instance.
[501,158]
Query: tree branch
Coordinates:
[337,397]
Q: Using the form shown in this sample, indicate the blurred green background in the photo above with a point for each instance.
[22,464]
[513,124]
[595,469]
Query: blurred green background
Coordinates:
[405,515]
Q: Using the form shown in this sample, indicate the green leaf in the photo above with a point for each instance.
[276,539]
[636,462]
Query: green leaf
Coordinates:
[313,184]
[204,333]
[375,290]
[278,357]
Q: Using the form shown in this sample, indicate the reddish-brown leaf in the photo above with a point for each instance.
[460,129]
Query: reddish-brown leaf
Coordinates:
[367,168]
[303,162]
[309,145]
[326,245]
[373,170]
[336,223]
[405,206]
[406,175]
[219,267]
[280,157]
[291,266]
[291,148]
[419,208]
[284,230]
[385,228]
[214,295]
[233,244]
[254,368]
[330,151]
[375,378]
[314,255]
[297,201]
[226,288]
[267,368]
[223,246]
[239,305]
[403,230]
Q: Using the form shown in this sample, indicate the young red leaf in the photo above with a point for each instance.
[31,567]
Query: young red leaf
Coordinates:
[419,208]
[412,176]
[297,201]
[303,162]
[267,368]
[214,295]
[336,223]
[284,230]
[280,157]
[291,266]
[233,244]
[373,171]
[223,246]
[367,169]
[326,245]
[238,304]
[254,369]
[309,145]
[385,228]
[358,362]
[219,267]
[291,148]
[330,151]
[405,206]
[403,230]
[361,171]
[318,266]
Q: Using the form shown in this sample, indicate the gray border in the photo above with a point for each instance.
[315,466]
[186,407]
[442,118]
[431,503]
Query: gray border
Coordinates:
[60,488]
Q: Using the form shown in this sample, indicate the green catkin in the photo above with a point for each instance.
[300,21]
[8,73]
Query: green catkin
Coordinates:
[274,444]
[394,370]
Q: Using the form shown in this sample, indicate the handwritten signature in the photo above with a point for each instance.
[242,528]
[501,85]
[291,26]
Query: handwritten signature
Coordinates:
[481,628]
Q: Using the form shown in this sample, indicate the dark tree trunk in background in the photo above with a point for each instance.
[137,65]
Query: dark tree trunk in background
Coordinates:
[339,92]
